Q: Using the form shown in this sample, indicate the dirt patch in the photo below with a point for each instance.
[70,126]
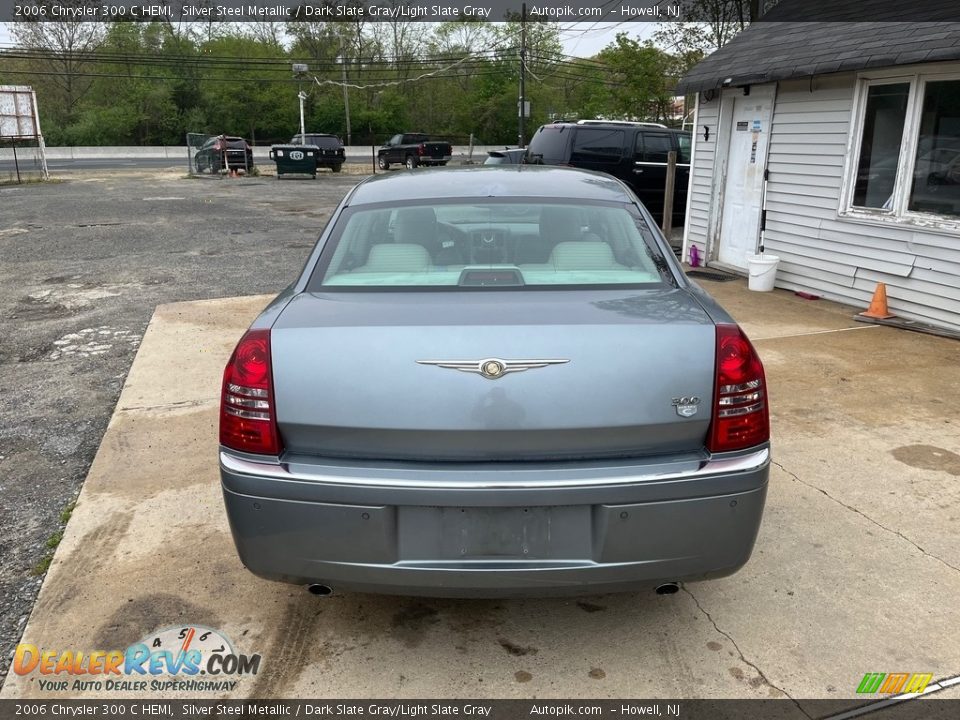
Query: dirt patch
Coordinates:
[134,616]
[517,650]
[411,623]
[291,647]
[32,309]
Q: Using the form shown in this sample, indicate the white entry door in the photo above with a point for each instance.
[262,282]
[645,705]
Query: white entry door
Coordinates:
[743,187]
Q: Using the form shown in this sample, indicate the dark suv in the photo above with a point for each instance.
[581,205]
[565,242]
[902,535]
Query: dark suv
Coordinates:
[224,152]
[331,153]
[633,152]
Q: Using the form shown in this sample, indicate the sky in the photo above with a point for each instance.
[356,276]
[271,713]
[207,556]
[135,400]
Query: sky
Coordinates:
[587,39]
[579,39]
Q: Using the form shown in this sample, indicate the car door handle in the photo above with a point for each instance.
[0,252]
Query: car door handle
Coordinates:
[638,170]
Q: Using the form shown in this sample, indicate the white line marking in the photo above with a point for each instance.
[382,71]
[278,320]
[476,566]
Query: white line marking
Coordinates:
[816,332]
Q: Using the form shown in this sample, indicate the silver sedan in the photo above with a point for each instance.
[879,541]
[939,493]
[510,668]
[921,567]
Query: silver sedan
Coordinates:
[493,382]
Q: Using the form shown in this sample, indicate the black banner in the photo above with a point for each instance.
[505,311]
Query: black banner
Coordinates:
[879,709]
[566,11]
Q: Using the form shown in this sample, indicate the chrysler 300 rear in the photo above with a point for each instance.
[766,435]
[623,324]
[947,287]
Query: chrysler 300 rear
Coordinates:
[493,382]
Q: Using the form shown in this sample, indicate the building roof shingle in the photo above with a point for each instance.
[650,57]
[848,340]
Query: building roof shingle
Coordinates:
[781,47]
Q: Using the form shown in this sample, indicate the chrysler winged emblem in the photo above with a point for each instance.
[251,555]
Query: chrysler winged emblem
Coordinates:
[492,368]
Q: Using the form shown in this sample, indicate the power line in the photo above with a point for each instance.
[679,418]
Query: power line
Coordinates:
[231,63]
[467,74]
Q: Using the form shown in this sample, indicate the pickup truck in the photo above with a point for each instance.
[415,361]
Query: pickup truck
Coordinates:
[413,149]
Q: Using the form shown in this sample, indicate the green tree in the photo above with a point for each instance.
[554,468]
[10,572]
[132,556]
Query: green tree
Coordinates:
[66,49]
[642,77]
[254,96]
[717,23]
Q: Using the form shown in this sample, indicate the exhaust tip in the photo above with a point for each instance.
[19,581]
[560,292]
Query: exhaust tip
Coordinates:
[667,588]
[320,590]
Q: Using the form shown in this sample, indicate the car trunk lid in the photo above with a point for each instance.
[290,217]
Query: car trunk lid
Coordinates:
[351,381]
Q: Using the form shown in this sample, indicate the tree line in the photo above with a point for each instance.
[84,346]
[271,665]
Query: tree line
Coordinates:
[126,83]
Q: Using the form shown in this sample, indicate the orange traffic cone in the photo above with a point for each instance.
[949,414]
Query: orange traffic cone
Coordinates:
[878,305]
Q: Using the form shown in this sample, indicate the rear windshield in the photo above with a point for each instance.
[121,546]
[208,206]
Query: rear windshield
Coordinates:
[504,158]
[549,144]
[490,244]
[323,141]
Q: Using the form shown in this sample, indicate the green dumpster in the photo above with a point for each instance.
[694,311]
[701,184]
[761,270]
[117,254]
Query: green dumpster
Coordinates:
[295,159]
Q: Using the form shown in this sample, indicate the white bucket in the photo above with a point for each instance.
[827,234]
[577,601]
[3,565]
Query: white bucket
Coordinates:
[763,272]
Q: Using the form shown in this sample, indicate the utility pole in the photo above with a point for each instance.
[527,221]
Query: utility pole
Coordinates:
[300,70]
[346,92]
[303,131]
[522,105]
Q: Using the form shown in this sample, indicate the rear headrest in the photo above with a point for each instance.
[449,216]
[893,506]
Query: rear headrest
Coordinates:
[416,225]
[559,224]
[583,256]
[397,257]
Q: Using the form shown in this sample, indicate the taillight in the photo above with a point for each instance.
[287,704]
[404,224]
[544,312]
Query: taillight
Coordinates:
[248,416]
[740,414]
[421,149]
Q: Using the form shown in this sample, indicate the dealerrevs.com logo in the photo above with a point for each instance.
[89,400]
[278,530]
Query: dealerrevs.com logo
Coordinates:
[191,658]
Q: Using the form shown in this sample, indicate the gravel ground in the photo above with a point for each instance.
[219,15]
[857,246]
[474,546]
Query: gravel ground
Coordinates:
[85,262]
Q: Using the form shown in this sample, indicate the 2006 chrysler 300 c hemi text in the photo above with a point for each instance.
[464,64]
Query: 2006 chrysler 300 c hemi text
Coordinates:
[488,382]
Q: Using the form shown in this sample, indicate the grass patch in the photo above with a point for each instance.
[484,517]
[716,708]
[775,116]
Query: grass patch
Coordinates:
[67,513]
[41,567]
[53,541]
[29,181]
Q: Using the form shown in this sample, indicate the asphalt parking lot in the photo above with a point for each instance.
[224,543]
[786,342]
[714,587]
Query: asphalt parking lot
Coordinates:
[84,263]
[857,567]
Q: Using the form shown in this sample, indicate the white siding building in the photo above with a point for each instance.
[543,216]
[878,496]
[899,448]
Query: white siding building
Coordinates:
[856,129]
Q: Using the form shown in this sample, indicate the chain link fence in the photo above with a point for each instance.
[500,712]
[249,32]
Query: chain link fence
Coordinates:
[21,160]
[219,155]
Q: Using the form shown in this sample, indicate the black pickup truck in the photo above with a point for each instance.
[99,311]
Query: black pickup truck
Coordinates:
[413,149]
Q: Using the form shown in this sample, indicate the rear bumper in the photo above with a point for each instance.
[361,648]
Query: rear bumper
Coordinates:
[548,530]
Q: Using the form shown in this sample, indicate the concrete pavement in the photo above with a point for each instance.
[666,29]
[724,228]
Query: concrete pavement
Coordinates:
[857,567]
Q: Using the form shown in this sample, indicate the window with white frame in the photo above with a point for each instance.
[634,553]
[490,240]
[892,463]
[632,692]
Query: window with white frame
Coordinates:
[907,149]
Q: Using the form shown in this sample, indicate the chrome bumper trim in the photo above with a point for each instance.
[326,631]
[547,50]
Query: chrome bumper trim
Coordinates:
[281,471]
